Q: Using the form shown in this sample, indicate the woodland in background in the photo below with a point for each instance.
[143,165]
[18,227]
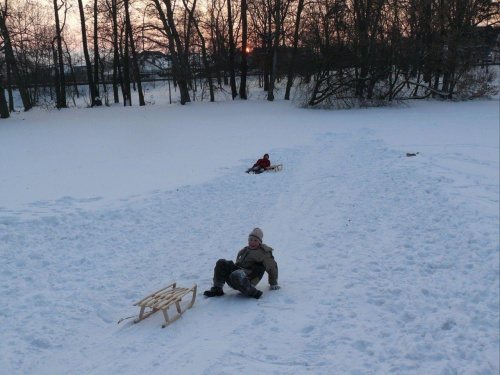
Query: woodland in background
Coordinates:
[333,53]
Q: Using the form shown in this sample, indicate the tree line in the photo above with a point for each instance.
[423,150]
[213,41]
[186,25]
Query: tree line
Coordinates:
[334,53]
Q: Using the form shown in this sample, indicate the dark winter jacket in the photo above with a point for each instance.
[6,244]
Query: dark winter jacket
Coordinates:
[264,163]
[255,262]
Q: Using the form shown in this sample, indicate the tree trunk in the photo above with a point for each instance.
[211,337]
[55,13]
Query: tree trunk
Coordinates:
[232,77]
[267,44]
[12,62]
[9,89]
[294,50]
[187,45]
[137,73]
[4,108]
[270,92]
[72,72]
[182,79]
[61,100]
[96,54]
[215,51]
[104,85]
[116,53]
[92,89]
[127,100]
[244,36]
[57,79]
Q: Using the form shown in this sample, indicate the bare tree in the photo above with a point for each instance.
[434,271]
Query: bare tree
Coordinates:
[96,50]
[217,31]
[92,89]
[176,48]
[291,68]
[276,42]
[137,73]
[261,21]
[112,7]
[58,57]
[206,63]
[219,36]
[244,39]
[232,75]
[127,95]
[12,61]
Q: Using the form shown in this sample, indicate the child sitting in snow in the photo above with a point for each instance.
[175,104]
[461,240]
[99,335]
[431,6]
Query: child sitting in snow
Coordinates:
[251,263]
[260,166]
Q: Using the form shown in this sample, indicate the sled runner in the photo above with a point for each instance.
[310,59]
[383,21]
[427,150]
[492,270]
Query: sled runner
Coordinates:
[163,299]
[274,168]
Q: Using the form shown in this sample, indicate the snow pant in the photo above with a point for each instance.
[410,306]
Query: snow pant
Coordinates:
[257,170]
[226,271]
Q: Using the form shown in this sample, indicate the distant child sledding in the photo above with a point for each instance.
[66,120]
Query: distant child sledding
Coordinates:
[251,263]
[264,165]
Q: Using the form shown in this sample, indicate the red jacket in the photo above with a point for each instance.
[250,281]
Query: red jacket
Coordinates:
[264,163]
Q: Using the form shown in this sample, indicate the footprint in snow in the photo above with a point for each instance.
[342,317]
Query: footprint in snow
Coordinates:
[259,320]
[306,331]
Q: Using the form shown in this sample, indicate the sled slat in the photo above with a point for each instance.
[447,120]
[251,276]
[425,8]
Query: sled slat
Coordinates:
[158,291]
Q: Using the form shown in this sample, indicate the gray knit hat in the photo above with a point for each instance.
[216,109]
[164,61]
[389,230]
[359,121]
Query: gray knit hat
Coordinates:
[257,233]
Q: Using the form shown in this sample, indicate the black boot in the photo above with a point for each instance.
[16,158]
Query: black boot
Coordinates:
[215,291]
[256,294]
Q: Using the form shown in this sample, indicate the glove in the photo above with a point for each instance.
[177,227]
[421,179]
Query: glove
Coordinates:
[275,287]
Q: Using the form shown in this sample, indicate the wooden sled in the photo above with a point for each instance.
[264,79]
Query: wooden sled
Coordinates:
[163,299]
[274,168]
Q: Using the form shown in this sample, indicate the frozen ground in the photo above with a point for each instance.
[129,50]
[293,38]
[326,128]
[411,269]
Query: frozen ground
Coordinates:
[388,264]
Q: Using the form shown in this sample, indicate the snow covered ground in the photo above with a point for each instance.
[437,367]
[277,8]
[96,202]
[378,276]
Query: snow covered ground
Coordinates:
[388,264]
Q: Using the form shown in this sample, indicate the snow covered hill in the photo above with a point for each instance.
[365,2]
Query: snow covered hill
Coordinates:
[388,264]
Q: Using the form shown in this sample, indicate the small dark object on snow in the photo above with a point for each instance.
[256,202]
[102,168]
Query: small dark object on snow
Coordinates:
[408,154]
[256,294]
[214,292]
